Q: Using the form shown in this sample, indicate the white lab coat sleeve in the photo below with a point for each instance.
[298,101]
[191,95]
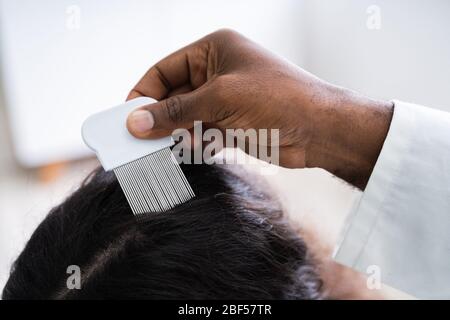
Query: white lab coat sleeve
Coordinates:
[400,229]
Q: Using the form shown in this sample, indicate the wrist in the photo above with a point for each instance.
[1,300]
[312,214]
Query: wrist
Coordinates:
[348,134]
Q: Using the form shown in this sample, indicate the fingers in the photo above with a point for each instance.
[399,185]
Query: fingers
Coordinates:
[180,81]
[179,111]
[187,66]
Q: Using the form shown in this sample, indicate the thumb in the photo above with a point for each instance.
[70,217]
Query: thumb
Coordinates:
[160,119]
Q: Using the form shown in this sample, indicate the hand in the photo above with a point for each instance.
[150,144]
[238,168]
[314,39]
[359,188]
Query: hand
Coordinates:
[228,81]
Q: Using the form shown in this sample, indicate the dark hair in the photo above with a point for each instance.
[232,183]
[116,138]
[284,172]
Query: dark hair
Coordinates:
[230,242]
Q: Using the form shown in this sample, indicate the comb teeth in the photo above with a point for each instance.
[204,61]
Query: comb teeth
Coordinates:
[154,183]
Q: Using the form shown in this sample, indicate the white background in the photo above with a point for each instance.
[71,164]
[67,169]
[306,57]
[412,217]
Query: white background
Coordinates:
[63,60]
[53,76]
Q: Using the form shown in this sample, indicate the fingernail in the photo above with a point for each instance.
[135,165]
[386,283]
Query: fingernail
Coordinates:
[141,121]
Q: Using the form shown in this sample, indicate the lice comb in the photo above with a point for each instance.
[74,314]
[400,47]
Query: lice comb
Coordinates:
[147,171]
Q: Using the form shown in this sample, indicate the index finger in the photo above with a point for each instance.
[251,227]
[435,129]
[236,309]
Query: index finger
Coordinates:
[185,66]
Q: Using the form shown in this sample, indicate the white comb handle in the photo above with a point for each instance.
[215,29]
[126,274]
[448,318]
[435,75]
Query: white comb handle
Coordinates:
[106,134]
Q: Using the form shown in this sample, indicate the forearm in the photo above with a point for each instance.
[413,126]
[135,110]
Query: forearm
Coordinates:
[349,132]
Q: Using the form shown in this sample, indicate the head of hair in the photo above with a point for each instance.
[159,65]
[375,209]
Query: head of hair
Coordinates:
[232,241]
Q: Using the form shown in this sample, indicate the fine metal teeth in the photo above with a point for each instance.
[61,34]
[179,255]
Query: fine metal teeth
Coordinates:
[154,183]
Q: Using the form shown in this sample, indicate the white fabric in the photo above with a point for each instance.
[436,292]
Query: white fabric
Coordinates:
[402,222]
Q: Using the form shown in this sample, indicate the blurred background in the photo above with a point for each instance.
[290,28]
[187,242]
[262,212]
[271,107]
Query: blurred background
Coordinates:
[63,60]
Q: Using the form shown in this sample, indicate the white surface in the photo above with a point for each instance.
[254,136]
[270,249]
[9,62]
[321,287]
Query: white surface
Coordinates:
[63,60]
[407,58]
[403,219]
[105,133]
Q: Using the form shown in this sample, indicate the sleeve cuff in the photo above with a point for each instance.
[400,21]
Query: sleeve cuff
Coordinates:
[401,221]
[363,217]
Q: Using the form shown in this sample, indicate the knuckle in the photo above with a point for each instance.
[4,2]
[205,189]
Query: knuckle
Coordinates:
[226,34]
[224,87]
[174,109]
[220,95]
[220,83]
